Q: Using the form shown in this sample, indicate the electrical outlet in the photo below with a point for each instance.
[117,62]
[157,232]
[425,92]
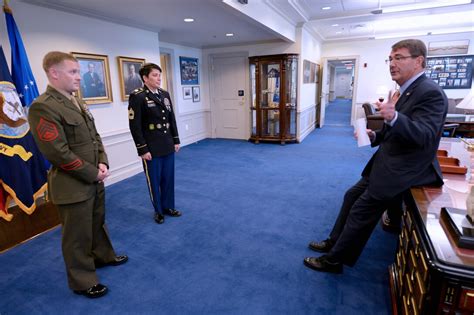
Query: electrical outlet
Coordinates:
[186,127]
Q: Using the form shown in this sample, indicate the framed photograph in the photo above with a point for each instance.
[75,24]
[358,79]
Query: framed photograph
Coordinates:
[451,72]
[309,72]
[187,93]
[95,78]
[453,47]
[129,77]
[196,94]
[189,68]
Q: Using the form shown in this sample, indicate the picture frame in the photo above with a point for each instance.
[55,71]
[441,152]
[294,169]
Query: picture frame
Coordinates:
[187,93]
[310,72]
[128,75]
[189,69]
[451,72]
[95,78]
[452,47]
[196,94]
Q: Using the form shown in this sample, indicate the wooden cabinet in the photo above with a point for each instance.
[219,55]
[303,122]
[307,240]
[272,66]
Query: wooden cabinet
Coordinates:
[431,275]
[273,90]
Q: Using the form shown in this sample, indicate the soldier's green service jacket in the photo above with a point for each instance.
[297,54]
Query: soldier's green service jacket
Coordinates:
[152,122]
[67,137]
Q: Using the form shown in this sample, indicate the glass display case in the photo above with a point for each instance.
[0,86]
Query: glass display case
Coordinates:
[273,89]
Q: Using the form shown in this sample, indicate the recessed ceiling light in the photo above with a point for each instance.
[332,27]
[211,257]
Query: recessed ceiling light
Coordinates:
[338,32]
[229,34]
[188,20]
[326,8]
[335,25]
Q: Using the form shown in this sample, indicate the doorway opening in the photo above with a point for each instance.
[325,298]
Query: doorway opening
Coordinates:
[338,91]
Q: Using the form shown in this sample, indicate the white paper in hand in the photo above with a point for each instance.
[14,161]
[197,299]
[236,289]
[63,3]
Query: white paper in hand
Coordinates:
[361,130]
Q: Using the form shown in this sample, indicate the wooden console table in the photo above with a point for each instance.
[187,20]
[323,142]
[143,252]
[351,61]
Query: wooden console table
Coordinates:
[431,275]
[465,129]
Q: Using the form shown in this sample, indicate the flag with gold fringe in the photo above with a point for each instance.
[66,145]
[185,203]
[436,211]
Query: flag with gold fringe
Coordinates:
[22,167]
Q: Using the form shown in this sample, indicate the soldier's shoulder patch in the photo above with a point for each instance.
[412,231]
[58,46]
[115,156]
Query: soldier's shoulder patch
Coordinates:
[131,114]
[138,91]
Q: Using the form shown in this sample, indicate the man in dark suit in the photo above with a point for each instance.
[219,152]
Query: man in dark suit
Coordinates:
[154,130]
[406,157]
[132,81]
[66,135]
[93,85]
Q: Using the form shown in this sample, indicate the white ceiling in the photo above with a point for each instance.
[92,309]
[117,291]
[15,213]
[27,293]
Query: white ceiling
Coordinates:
[213,18]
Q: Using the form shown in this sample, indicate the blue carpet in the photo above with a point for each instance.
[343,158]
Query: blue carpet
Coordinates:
[249,212]
[338,112]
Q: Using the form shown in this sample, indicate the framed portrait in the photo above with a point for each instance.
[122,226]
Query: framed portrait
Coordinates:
[453,47]
[189,68]
[187,93]
[196,94]
[95,78]
[129,76]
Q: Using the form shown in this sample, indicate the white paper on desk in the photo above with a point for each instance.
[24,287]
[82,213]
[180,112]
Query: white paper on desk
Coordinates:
[361,131]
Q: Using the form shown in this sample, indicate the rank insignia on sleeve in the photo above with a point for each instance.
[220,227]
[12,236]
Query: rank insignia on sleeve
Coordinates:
[46,130]
[131,114]
[72,165]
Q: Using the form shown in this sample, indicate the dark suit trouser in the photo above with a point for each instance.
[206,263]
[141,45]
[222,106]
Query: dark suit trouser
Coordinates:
[85,239]
[357,219]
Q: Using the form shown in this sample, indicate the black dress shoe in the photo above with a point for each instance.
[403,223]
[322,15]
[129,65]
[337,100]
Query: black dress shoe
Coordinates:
[95,291]
[323,264]
[118,260]
[322,247]
[390,226]
[172,212]
[159,218]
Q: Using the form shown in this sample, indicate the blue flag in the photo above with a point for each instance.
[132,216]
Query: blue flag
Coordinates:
[21,72]
[22,167]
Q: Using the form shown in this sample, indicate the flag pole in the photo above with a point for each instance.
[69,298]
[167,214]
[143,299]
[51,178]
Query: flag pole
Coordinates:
[6,8]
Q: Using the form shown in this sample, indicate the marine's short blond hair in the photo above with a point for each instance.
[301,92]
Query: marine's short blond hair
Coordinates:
[56,57]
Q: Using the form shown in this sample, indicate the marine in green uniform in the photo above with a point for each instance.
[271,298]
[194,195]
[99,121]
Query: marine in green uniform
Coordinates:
[154,130]
[66,135]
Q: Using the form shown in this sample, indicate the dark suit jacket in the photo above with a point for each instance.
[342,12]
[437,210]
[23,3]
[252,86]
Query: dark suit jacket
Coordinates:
[152,122]
[407,151]
[93,86]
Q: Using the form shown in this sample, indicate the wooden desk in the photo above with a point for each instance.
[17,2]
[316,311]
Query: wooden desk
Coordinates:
[465,129]
[431,275]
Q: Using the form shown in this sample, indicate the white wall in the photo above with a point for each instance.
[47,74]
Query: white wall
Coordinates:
[343,81]
[374,53]
[193,118]
[43,30]
[306,45]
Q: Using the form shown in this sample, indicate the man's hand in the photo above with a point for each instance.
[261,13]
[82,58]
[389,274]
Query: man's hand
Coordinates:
[176,147]
[387,110]
[370,133]
[146,156]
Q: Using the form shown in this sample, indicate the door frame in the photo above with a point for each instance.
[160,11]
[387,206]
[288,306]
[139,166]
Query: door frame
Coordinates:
[212,93]
[170,77]
[325,79]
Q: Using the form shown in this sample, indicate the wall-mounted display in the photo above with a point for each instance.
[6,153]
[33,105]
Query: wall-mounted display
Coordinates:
[189,68]
[196,94]
[95,78]
[453,47]
[451,72]
[186,92]
[129,77]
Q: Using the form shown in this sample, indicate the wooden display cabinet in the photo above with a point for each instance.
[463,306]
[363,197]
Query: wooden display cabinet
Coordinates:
[273,90]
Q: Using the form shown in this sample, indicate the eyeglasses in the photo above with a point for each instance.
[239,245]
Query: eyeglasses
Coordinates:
[397,58]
